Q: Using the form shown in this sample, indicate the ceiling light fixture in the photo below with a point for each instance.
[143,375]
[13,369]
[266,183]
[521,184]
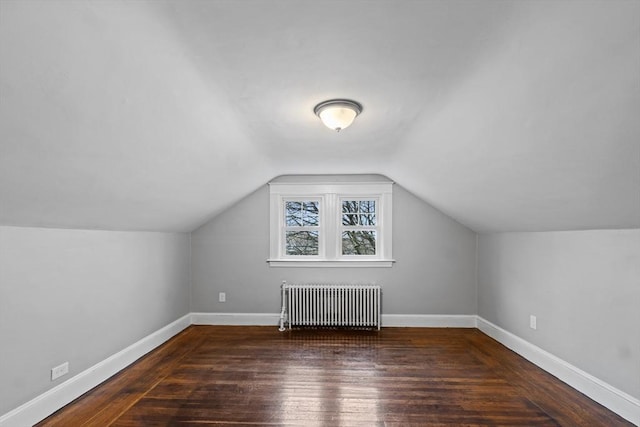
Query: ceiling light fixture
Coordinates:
[338,114]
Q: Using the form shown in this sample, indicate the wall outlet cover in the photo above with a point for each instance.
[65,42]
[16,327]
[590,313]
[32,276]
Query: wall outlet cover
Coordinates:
[59,371]
[533,322]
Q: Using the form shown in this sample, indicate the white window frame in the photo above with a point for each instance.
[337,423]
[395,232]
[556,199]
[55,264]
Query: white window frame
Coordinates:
[330,193]
[319,228]
[341,228]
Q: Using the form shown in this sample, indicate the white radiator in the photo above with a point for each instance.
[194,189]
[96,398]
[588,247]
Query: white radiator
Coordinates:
[322,305]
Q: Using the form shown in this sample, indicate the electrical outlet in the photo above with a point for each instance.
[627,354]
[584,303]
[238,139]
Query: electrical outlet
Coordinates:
[222,297]
[59,371]
[533,322]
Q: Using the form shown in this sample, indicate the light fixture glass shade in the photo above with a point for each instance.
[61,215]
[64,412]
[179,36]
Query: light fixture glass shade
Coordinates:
[338,114]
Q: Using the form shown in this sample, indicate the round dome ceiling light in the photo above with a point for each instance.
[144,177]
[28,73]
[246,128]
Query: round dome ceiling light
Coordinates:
[337,114]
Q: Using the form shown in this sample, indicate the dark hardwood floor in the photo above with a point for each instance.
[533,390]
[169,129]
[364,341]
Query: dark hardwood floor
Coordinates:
[233,375]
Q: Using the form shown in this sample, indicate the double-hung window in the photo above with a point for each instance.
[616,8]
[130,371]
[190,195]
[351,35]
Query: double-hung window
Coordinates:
[302,227]
[333,221]
[358,229]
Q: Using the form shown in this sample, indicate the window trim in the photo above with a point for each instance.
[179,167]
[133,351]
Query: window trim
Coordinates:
[331,194]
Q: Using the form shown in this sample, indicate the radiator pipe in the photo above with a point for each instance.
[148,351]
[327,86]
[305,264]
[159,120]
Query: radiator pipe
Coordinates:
[284,307]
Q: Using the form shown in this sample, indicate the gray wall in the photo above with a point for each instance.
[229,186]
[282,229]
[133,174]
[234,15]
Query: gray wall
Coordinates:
[81,296]
[584,288]
[434,272]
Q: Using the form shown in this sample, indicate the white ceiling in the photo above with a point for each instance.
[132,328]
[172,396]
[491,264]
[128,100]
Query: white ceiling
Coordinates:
[157,115]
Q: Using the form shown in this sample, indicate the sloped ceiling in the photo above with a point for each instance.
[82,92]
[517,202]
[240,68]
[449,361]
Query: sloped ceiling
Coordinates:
[157,115]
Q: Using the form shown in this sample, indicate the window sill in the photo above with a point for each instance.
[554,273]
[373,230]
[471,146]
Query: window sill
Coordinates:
[331,263]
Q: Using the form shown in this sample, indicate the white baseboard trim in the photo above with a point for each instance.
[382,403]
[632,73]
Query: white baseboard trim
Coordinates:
[388,320]
[236,319]
[429,320]
[47,403]
[616,400]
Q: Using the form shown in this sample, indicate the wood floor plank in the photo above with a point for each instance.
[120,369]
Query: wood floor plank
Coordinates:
[225,375]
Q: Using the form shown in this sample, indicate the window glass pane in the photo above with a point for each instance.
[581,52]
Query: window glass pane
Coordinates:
[367,206]
[359,243]
[302,242]
[298,214]
[358,206]
[368,219]
[293,213]
[310,213]
[349,206]
[349,219]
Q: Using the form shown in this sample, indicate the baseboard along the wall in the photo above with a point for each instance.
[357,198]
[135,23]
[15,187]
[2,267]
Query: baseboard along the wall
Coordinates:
[50,401]
[59,396]
[616,400]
